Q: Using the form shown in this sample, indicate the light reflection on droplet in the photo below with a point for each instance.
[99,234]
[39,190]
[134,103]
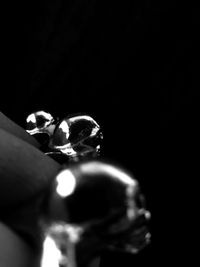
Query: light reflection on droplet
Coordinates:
[51,254]
[65,128]
[31,118]
[77,136]
[39,122]
[94,166]
[66,183]
[44,114]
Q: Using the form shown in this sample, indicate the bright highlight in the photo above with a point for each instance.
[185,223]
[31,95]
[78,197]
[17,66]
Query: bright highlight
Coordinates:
[66,183]
[51,254]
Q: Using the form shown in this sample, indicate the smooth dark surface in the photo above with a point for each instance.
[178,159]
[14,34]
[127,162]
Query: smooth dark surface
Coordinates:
[134,67]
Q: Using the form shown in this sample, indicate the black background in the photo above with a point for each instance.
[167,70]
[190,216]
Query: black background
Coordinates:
[134,67]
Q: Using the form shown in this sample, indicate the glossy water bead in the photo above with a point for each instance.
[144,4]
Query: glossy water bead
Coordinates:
[103,209]
[77,137]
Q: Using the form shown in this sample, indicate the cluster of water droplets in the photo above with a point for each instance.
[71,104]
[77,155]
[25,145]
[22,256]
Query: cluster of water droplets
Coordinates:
[101,205]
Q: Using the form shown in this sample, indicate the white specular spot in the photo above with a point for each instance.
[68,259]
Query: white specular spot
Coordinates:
[65,128]
[66,183]
[51,254]
[31,118]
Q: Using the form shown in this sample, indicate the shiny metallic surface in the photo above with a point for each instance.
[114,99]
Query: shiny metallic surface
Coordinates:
[77,137]
[105,211]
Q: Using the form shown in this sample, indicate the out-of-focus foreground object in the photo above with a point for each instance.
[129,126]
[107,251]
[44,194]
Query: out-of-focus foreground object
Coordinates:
[102,209]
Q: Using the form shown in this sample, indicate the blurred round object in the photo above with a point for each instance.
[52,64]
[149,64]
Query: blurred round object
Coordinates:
[103,206]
